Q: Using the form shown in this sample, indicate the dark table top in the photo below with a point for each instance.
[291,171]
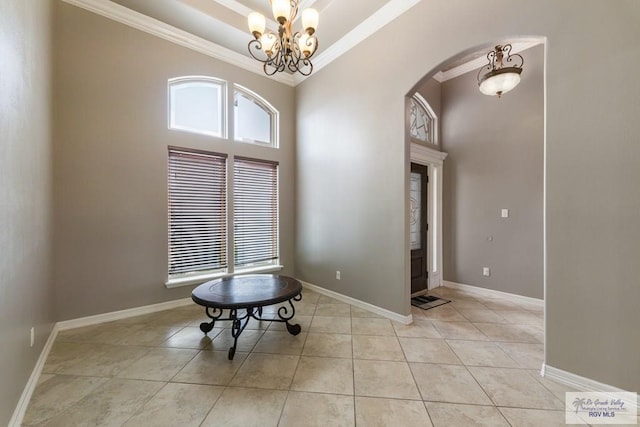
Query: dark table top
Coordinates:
[253,290]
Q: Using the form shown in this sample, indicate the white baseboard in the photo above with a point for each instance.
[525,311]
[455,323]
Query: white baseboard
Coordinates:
[405,320]
[23,403]
[576,381]
[121,314]
[491,293]
[25,398]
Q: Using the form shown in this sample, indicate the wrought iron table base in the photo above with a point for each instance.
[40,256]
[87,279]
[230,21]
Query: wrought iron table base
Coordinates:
[239,322]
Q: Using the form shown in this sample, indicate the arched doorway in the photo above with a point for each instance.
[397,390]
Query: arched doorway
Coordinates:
[486,213]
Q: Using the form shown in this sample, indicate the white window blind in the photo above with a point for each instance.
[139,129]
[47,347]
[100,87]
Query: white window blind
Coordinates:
[255,212]
[197,212]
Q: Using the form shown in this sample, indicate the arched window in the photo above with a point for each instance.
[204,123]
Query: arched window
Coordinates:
[423,121]
[201,183]
[254,119]
[198,104]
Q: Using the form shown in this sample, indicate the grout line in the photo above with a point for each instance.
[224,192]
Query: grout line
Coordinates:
[262,332]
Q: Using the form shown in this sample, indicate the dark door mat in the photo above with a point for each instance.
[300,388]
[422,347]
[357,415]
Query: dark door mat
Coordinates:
[426,302]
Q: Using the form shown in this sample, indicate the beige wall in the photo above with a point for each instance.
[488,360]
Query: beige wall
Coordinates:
[111,141]
[495,161]
[353,167]
[26,293]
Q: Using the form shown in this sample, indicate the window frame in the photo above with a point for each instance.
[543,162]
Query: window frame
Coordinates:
[228,136]
[222,101]
[213,161]
[275,217]
[231,267]
[274,115]
[432,131]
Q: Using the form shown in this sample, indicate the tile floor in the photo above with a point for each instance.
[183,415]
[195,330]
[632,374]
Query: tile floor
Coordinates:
[471,362]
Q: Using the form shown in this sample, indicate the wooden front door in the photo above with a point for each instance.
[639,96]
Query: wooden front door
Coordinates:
[418,227]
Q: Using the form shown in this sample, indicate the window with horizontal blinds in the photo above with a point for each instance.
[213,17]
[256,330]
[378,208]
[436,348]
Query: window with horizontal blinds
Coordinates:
[197,212]
[255,212]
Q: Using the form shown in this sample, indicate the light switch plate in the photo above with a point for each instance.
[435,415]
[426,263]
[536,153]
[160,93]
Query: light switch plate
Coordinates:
[505,213]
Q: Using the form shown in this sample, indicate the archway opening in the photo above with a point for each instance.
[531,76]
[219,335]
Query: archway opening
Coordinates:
[486,212]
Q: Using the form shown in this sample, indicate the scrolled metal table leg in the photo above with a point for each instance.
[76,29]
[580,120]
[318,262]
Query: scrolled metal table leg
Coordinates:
[214,314]
[237,326]
[286,315]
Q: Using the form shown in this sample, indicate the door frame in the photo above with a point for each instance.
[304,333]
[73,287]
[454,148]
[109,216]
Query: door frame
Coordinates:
[434,160]
[423,171]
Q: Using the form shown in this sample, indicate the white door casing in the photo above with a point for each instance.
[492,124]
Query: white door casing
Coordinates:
[434,159]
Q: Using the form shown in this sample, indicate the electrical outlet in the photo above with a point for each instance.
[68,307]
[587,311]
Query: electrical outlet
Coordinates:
[505,213]
[486,271]
[338,275]
[32,336]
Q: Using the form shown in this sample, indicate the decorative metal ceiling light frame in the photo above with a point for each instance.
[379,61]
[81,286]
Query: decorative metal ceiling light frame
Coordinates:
[498,79]
[286,50]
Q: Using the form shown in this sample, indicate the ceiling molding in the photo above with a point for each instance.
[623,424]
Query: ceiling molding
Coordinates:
[244,11]
[175,35]
[366,28]
[443,76]
[236,6]
[306,3]
[131,18]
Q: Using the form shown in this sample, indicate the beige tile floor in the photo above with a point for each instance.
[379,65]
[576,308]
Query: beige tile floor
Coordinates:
[471,362]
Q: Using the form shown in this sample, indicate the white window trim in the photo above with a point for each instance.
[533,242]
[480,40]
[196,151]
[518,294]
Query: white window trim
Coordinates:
[231,270]
[223,105]
[275,118]
[196,280]
[227,124]
[419,99]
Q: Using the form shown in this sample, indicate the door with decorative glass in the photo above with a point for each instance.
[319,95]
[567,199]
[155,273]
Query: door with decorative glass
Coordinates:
[418,227]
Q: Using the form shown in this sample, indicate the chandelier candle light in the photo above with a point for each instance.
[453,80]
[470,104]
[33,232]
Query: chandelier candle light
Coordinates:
[285,50]
[498,79]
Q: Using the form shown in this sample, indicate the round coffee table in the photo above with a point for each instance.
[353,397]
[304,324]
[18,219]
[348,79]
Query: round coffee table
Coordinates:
[244,297]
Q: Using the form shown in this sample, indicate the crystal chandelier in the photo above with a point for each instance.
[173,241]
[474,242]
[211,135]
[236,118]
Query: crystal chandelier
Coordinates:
[285,50]
[498,79]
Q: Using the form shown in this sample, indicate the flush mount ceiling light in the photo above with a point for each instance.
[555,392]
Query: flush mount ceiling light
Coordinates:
[495,78]
[285,50]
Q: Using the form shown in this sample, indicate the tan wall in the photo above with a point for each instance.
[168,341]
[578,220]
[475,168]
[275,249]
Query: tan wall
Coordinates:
[26,293]
[495,161]
[353,167]
[111,141]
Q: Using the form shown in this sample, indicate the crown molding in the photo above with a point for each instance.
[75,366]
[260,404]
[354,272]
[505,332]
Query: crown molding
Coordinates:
[244,11]
[443,76]
[373,23]
[439,77]
[366,28]
[236,6]
[131,18]
[175,35]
